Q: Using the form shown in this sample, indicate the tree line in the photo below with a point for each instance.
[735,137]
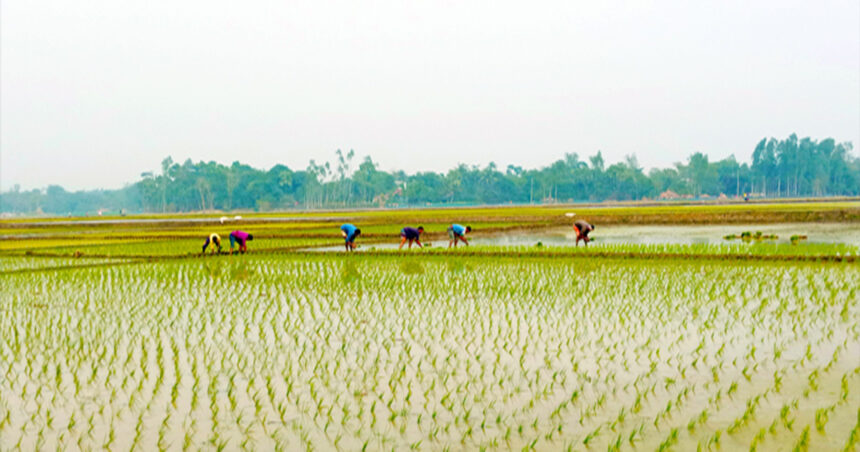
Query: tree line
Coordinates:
[790,167]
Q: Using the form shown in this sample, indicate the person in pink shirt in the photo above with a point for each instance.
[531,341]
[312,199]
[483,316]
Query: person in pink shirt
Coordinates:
[242,237]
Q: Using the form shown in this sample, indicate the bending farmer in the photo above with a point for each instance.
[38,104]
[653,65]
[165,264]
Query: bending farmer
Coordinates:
[457,233]
[349,233]
[412,235]
[582,229]
[242,237]
[215,240]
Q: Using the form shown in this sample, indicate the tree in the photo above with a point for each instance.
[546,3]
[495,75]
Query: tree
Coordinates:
[700,174]
[166,170]
[597,161]
[789,167]
[764,163]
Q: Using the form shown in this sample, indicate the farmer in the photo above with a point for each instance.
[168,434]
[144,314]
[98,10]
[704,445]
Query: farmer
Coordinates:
[457,233]
[582,229]
[215,240]
[412,235]
[242,237]
[349,233]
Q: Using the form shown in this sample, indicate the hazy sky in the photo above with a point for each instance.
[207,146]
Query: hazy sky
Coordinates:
[95,92]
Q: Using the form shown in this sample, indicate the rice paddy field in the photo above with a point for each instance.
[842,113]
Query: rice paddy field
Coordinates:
[122,336]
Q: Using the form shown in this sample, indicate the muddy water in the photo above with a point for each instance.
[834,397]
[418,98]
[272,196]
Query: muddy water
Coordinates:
[687,234]
[844,233]
[284,352]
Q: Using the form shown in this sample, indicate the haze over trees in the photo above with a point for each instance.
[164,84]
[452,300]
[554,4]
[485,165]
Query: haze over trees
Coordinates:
[790,167]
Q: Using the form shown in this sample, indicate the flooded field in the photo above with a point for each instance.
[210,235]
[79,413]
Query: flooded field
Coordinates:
[127,337]
[681,234]
[837,233]
[334,352]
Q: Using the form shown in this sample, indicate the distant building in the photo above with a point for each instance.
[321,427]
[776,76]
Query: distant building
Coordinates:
[669,194]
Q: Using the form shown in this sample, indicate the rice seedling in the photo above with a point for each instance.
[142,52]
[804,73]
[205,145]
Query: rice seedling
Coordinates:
[524,350]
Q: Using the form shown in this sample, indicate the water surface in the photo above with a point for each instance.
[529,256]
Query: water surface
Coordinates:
[839,233]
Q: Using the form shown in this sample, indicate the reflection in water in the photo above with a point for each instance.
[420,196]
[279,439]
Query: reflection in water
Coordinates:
[212,269]
[350,273]
[456,266]
[241,271]
[411,268]
[847,233]
[678,234]
[583,267]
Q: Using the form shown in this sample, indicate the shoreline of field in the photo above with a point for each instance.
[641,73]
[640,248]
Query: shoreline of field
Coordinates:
[560,255]
[770,211]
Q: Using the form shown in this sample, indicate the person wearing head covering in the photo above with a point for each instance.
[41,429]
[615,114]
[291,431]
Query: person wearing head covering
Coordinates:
[411,235]
[457,233]
[242,238]
[582,229]
[215,240]
[349,233]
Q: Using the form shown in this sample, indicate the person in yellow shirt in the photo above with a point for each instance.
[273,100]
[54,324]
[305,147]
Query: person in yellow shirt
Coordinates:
[215,240]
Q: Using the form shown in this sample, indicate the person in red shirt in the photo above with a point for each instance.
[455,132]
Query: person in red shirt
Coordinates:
[242,237]
[582,229]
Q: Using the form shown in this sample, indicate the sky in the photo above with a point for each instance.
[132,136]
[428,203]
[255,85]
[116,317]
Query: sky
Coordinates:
[94,93]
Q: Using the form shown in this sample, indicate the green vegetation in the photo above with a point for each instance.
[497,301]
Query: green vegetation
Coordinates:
[757,236]
[529,216]
[418,351]
[763,251]
[181,247]
[182,235]
[124,337]
[789,168]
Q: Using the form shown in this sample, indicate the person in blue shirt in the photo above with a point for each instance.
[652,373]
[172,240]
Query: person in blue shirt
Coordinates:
[457,233]
[349,233]
[412,235]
